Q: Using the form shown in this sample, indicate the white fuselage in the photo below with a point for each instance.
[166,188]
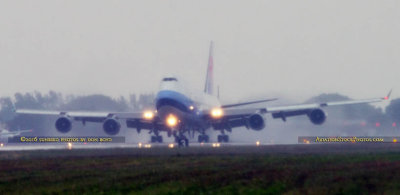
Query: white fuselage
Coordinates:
[174,98]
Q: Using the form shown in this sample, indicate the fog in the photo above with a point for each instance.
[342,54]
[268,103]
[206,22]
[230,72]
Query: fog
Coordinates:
[293,50]
[296,49]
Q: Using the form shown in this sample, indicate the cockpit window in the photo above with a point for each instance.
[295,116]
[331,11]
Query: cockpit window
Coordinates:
[170,79]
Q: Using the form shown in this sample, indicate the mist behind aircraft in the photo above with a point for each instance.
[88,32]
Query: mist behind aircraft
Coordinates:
[297,49]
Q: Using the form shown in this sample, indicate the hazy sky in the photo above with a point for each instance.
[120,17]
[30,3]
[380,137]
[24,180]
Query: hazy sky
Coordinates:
[296,48]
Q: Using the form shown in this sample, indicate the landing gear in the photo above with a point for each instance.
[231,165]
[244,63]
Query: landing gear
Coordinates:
[156,139]
[182,141]
[203,138]
[223,138]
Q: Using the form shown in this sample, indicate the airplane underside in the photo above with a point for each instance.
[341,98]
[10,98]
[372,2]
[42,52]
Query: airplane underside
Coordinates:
[182,136]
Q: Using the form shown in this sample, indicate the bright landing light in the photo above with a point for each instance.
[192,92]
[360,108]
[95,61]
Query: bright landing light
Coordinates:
[148,115]
[172,120]
[216,145]
[217,113]
[69,146]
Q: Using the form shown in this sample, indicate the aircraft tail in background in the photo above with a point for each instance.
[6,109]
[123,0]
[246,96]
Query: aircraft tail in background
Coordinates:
[209,86]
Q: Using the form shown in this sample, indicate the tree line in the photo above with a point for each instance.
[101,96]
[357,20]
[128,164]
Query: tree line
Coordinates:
[57,101]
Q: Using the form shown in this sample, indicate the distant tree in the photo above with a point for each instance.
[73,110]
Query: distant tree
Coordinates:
[146,101]
[7,109]
[95,103]
[327,97]
[133,102]
[123,104]
[25,101]
[393,110]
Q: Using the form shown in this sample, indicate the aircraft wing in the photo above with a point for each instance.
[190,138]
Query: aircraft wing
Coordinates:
[247,103]
[8,133]
[14,133]
[294,110]
[133,119]
[81,114]
[239,117]
[24,131]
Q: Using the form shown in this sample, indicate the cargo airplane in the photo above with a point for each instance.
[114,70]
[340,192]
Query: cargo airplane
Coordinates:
[180,113]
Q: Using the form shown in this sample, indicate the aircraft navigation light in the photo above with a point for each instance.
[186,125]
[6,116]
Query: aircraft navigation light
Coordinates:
[148,115]
[217,113]
[172,121]
[191,107]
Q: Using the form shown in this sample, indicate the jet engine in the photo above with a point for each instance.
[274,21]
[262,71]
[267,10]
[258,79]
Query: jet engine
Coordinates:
[256,122]
[317,116]
[111,126]
[63,124]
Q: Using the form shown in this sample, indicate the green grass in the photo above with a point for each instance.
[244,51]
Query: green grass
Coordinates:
[182,172]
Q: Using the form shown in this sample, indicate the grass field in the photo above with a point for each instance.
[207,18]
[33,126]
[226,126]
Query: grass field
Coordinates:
[296,169]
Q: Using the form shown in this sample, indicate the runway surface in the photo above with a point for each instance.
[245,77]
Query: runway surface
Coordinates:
[169,149]
[200,169]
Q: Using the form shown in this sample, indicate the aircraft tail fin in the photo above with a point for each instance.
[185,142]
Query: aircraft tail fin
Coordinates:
[209,88]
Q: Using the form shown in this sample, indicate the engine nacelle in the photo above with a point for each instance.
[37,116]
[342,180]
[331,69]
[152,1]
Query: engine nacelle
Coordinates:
[111,126]
[317,116]
[63,124]
[256,122]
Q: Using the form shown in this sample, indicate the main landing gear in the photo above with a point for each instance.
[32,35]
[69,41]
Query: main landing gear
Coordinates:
[156,139]
[182,141]
[223,138]
[203,138]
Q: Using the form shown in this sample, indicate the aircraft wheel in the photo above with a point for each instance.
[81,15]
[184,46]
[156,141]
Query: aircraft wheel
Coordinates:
[169,133]
[226,138]
[160,139]
[153,139]
[223,138]
[183,141]
[219,138]
[203,138]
